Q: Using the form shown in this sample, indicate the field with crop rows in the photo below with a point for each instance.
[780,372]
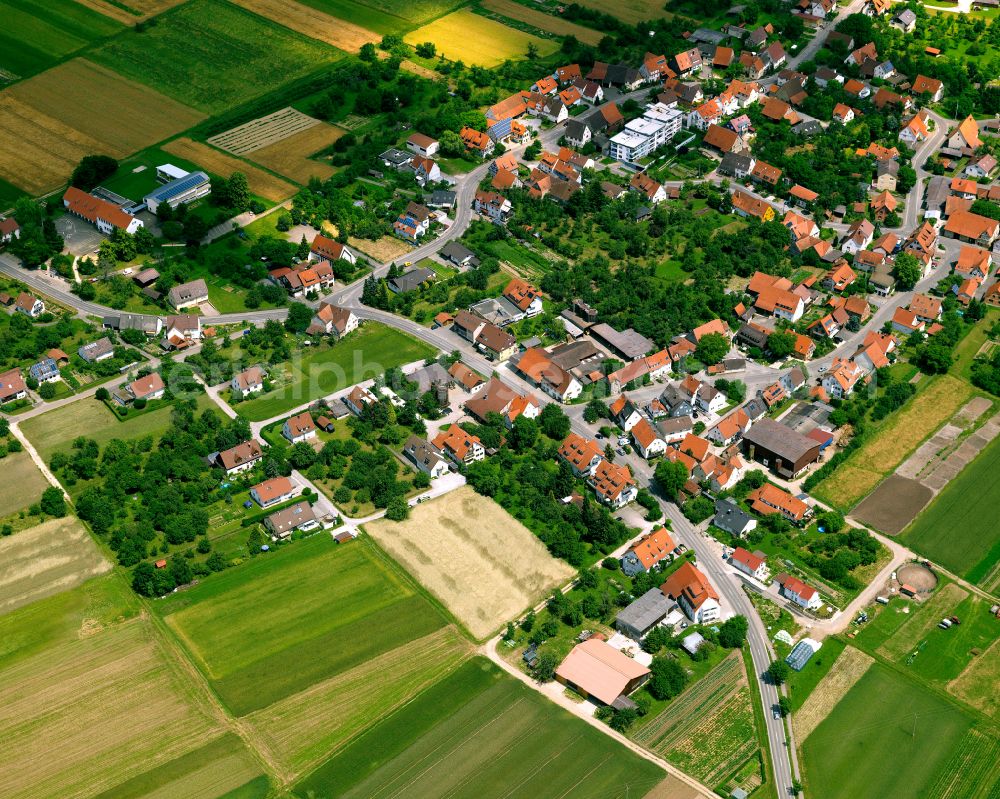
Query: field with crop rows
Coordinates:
[543,21]
[708,731]
[958,529]
[474,39]
[299,615]
[265,130]
[292,157]
[384,16]
[479,734]
[884,718]
[302,730]
[483,564]
[88,698]
[974,769]
[131,12]
[37,33]
[313,23]
[49,122]
[261,183]
[213,55]
[44,560]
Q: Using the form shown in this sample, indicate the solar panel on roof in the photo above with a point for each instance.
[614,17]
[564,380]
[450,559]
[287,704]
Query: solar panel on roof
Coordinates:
[178,186]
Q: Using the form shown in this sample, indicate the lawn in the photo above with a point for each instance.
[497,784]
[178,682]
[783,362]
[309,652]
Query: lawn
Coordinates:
[958,528]
[22,485]
[299,615]
[38,33]
[885,718]
[325,370]
[8,195]
[89,698]
[213,55]
[136,184]
[54,431]
[474,39]
[479,734]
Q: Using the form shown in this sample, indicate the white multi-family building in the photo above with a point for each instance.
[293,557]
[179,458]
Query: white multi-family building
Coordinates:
[642,136]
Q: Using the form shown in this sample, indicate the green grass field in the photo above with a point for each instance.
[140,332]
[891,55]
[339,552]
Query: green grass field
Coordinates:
[958,529]
[213,55]
[8,195]
[362,355]
[135,185]
[884,719]
[384,16]
[286,620]
[36,34]
[802,683]
[54,431]
[480,734]
[22,485]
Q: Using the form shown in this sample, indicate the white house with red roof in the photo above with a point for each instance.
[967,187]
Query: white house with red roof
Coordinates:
[690,588]
[800,593]
[750,563]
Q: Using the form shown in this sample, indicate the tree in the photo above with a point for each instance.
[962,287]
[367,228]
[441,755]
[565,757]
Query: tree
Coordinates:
[778,672]
[784,706]
[523,434]
[398,510]
[426,49]
[781,343]
[668,678]
[299,317]
[733,632]
[555,424]
[91,170]
[545,667]
[671,476]
[907,270]
[53,503]
[712,348]
[239,191]
[47,390]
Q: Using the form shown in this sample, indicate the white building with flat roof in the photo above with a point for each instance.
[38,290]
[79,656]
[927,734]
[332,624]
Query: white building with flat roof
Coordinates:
[642,136]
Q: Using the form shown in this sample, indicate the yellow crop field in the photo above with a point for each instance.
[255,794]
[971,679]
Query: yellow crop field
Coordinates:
[45,560]
[474,39]
[313,23]
[543,21]
[88,699]
[208,158]
[291,156]
[50,121]
[483,564]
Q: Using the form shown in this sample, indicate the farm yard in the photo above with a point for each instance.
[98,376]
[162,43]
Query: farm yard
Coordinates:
[313,23]
[708,731]
[324,370]
[89,699]
[474,39]
[38,33]
[887,717]
[479,734]
[301,731]
[261,183]
[213,55]
[22,485]
[958,529]
[484,565]
[49,122]
[300,615]
[545,22]
[44,560]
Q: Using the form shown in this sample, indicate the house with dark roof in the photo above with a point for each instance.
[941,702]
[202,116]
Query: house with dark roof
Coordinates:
[779,448]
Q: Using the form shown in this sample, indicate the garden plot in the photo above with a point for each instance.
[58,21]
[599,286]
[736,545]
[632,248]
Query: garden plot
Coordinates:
[263,131]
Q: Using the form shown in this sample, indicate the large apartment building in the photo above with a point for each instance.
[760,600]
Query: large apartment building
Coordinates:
[658,125]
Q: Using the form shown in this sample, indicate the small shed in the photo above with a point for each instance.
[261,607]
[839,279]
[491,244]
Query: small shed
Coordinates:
[907,590]
[692,642]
